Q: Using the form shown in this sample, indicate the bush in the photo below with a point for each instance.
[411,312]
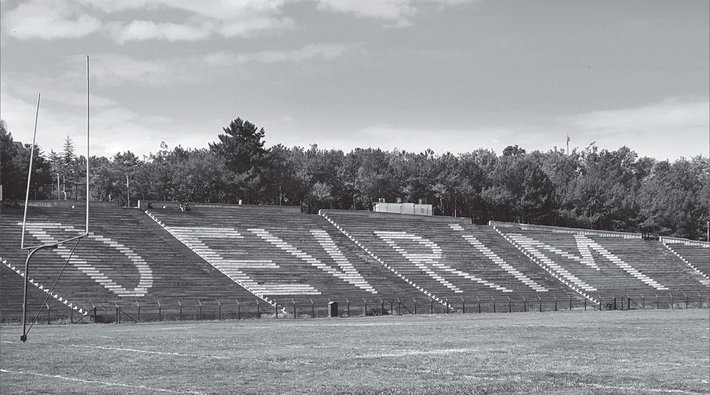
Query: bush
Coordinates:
[377,312]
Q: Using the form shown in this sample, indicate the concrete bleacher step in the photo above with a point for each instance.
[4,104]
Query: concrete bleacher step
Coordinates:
[118,238]
[630,264]
[40,287]
[698,250]
[339,267]
[554,270]
[459,269]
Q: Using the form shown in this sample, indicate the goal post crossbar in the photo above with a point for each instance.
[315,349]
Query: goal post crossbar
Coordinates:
[55,244]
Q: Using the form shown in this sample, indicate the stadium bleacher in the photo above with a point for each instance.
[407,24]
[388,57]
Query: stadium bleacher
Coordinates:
[281,255]
[448,257]
[276,259]
[11,292]
[696,254]
[600,264]
[126,259]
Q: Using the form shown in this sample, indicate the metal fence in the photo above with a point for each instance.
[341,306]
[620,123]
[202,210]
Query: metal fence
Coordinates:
[221,309]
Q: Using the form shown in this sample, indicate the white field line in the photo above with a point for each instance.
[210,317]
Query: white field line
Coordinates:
[593,385]
[639,389]
[106,383]
[405,353]
[518,379]
[174,354]
[175,328]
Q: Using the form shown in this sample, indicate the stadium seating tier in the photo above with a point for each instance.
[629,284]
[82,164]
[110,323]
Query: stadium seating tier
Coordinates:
[283,257]
[277,259]
[448,257]
[126,259]
[605,263]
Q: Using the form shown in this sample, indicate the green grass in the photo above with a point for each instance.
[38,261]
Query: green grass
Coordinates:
[654,351]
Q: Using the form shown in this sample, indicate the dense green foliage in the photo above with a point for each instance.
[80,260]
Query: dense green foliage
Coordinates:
[590,188]
[14,163]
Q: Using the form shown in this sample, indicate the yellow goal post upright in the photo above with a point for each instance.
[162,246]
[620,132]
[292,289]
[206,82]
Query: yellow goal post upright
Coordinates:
[31,249]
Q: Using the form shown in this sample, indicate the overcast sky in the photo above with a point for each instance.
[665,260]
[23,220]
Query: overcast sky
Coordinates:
[452,75]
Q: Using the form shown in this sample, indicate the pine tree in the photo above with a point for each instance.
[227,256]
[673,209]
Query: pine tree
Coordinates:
[67,165]
[242,148]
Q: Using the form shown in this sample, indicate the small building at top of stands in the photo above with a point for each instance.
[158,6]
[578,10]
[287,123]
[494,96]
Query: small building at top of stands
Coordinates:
[403,208]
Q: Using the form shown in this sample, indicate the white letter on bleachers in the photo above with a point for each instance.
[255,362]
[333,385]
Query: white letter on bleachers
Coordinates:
[585,246]
[500,262]
[194,238]
[430,263]
[39,231]
[345,271]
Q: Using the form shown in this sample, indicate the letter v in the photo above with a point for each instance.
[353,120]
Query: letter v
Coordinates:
[346,271]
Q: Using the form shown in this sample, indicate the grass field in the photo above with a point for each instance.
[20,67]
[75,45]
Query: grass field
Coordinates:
[653,351]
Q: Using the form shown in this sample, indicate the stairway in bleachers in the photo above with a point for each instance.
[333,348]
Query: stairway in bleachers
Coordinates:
[282,256]
[696,254]
[447,257]
[600,264]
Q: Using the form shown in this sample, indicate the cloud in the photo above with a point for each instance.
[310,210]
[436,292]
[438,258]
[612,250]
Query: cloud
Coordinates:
[668,129]
[225,19]
[52,125]
[147,30]
[671,115]
[48,20]
[192,20]
[113,128]
[113,69]
[324,52]
[384,9]
[54,19]
[399,12]
[390,136]
[67,97]
[250,26]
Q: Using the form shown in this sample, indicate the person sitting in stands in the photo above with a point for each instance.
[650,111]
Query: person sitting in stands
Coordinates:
[187,206]
[182,206]
[150,205]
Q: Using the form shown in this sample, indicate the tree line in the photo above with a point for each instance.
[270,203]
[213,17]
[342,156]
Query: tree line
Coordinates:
[588,188]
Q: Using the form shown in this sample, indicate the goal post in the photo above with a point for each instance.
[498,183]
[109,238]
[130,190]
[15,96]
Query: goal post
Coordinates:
[31,250]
